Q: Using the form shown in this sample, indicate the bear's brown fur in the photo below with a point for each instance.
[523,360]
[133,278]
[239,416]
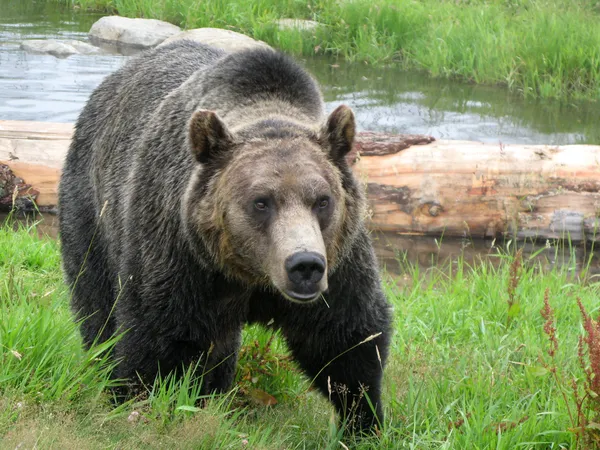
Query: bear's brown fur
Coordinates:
[205,190]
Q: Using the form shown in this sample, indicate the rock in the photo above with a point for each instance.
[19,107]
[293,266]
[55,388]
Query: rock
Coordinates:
[59,49]
[114,48]
[50,47]
[141,33]
[297,24]
[224,39]
[83,48]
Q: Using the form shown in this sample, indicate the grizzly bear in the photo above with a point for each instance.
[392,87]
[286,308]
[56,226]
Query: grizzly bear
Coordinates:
[206,190]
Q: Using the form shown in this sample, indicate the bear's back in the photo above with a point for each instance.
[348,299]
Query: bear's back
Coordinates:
[245,79]
[110,125]
[107,134]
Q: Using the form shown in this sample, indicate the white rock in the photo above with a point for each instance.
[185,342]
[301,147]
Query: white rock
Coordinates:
[227,40]
[60,49]
[132,32]
[50,47]
[297,24]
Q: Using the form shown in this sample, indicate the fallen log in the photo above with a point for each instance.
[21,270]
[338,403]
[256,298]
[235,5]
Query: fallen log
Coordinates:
[460,188]
[34,152]
[415,185]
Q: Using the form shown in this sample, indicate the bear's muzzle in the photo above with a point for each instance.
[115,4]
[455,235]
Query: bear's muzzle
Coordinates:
[305,270]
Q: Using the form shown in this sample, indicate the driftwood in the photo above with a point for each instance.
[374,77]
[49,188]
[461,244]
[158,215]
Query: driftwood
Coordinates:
[415,184]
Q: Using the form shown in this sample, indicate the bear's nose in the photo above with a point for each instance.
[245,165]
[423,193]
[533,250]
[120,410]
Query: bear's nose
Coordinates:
[305,270]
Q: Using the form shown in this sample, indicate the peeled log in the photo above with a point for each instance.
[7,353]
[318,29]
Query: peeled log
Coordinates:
[461,188]
[415,185]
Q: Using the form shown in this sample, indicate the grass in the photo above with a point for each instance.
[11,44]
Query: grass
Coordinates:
[468,368]
[539,48]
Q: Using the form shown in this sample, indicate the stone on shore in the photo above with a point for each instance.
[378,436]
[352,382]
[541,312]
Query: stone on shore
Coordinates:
[123,31]
[227,40]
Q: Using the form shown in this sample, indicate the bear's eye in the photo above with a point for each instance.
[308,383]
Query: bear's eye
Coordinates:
[261,205]
[323,202]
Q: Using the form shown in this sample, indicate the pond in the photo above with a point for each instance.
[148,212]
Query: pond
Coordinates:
[45,88]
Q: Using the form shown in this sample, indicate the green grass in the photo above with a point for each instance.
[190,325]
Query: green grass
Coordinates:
[539,48]
[461,373]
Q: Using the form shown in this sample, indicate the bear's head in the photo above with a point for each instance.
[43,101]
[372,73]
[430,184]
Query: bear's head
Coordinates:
[276,205]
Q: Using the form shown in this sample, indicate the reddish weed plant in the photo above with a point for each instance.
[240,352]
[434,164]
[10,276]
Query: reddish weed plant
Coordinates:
[515,273]
[585,422]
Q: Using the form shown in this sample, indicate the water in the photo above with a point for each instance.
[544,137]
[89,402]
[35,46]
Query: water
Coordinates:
[44,88]
[406,102]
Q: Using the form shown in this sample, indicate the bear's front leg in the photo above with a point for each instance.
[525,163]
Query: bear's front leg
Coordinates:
[145,351]
[342,341]
[219,372]
[351,379]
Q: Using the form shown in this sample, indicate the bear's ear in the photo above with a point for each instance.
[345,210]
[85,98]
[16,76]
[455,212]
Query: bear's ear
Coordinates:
[208,135]
[339,131]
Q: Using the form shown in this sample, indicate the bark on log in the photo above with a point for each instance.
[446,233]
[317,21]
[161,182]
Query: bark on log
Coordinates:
[461,188]
[415,185]
[14,191]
